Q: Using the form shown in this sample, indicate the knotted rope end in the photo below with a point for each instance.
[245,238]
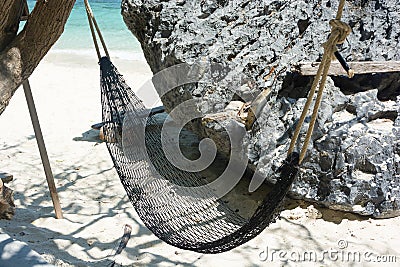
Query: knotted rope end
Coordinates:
[340,28]
[350,73]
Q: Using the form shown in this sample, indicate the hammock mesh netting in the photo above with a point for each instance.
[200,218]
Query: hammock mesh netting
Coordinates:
[197,221]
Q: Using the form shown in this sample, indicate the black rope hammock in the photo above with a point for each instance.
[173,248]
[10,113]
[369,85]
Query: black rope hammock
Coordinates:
[198,221]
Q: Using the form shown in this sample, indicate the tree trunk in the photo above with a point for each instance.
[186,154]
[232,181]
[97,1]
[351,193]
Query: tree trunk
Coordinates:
[20,54]
[9,21]
[7,207]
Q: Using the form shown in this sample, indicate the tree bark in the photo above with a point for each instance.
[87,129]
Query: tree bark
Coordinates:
[9,21]
[23,52]
[7,206]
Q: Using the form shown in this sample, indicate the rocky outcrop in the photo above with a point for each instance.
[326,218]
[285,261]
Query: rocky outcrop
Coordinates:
[353,162]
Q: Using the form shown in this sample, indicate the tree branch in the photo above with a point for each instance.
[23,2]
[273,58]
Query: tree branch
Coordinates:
[9,21]
[20,57]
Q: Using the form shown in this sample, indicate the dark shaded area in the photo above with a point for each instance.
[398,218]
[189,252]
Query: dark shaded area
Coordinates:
[303,25]
[388,84]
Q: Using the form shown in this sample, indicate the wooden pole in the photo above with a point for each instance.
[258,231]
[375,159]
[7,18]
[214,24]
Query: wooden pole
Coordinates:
[42,149]
[363,67]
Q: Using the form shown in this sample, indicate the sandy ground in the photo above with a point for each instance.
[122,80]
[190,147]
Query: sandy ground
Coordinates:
[95,207]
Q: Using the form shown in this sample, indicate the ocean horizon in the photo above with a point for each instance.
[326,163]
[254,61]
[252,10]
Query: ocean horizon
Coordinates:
[77,38]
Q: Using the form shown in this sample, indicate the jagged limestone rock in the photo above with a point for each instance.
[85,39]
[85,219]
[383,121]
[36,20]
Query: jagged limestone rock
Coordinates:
[353,159]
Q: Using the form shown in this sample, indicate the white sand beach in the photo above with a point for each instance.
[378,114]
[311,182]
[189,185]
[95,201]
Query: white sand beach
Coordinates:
[66,92]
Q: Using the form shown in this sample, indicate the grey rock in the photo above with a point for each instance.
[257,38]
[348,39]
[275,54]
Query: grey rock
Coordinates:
[353,161]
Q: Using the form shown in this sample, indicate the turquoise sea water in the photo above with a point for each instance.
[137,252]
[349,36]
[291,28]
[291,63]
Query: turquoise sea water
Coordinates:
[77,37]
